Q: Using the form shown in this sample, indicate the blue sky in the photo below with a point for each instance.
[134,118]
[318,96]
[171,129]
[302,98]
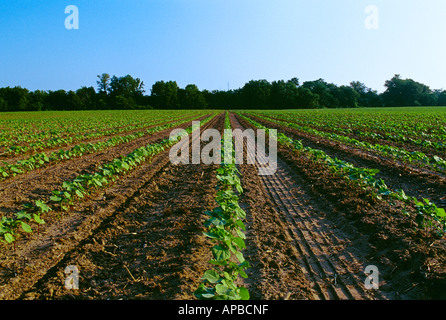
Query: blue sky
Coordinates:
[217,44]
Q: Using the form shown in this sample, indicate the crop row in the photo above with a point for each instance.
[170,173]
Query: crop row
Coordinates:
[435,163]
[226,230]
[38,160]
[427,213]
[416,123]
[55,138]
[434,141]
[80,187]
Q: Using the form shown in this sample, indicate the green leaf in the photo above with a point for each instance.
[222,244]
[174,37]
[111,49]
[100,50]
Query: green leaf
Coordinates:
[239,242]
[37,219]
[204,292]
[26,227]
[97,182]
[221,253]
[244,293]
[240,213]
[218,263]
[15,170]
[240,233]
[243,273]
[239,256]
[211,235]
[9,238]
[55,198]
[43,206]
[221,289]
[240,224]
[212,276]
[441,212]
[22,214]
[79,193]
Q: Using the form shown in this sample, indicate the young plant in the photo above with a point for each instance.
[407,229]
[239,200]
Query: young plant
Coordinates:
[225,229]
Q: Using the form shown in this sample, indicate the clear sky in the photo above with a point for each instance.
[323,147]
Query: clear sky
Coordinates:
[221,44]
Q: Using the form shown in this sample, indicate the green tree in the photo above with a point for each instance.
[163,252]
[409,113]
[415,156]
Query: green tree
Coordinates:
[441,100]
[307,99]
[15,99]
[285,95]
[57,100]
[326,93]
[126,86]
[37,100]
[347,97]
[3,105]
[256,94]
[124,103]
[87,96]
[165,95]
[72,101]
[103,83]
[191,98]
[407,92]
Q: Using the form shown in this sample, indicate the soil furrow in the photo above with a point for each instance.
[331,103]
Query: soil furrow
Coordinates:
[321,263]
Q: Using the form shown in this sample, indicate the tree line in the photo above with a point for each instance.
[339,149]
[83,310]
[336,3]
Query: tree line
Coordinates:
[128,92]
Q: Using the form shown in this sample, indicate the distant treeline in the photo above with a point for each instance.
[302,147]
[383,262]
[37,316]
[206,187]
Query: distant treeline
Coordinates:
[128,93]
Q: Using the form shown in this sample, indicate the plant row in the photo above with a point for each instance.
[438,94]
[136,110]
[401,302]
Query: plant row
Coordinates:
[427,213]
[434,141]
[39,160]
[82,186]
[414,124]
[225,228]
[37,142]
[435,163]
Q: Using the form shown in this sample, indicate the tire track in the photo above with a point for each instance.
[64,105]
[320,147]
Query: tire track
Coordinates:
[329,264]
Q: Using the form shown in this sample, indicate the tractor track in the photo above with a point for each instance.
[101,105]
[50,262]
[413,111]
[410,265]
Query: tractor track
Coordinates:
[332,268]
